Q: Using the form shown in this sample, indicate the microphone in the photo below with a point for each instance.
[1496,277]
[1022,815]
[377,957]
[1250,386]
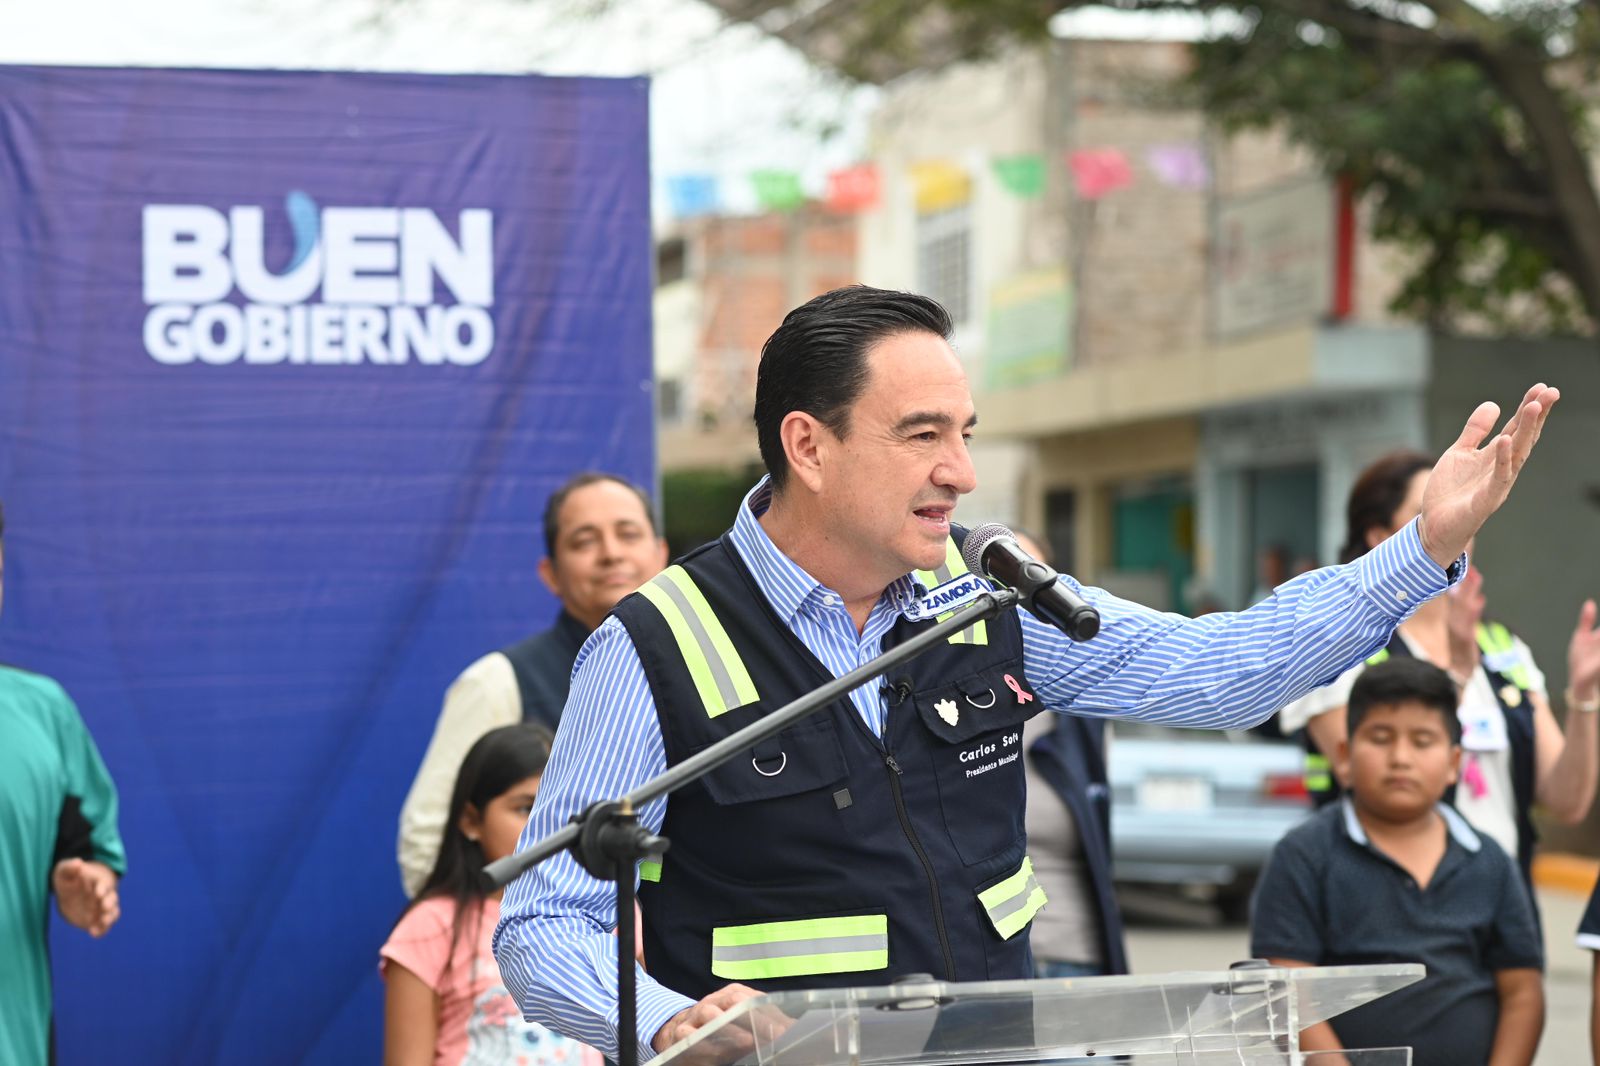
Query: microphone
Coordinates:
[993,551]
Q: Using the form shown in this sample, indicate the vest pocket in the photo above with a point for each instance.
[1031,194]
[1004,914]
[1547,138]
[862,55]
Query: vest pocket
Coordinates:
[1012,901]
[803,758]
[978,704]
[977,755]
[770,950]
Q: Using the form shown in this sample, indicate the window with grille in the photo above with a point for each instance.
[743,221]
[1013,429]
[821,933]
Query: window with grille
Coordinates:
[944,259]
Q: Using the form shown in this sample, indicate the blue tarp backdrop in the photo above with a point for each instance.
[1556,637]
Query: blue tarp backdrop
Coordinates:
[288,363]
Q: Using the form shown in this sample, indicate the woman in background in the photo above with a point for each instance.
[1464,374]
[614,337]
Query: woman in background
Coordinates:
[1514,753]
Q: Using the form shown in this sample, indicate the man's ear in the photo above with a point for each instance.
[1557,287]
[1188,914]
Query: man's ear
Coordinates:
[805,441]
[1341,760]
[1455,763]
[547,574]
[662,554]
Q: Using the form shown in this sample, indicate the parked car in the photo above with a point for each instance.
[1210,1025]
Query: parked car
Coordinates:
[1200,806]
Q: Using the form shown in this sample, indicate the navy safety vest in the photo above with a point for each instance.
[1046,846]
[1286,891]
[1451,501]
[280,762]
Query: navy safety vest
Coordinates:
[1511,680]
[830,857]
[542,665]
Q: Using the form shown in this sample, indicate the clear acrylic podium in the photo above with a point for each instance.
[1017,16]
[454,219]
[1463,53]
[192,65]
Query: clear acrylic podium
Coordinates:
[1242,1017]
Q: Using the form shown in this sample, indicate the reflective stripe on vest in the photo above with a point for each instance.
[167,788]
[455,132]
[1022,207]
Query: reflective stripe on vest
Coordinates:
[719,674]
[1317,773]
[954,566]
[1500,654]
[650,870]
[795,949]
[1381,655]
[1012,903]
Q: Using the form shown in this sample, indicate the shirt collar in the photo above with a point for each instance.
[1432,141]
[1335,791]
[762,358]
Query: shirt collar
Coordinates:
[1460,831]
[787,586]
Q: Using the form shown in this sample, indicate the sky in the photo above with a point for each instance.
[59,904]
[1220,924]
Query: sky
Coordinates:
[724,99]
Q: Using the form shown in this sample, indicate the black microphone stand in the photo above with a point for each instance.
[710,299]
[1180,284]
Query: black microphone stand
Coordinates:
[607,840]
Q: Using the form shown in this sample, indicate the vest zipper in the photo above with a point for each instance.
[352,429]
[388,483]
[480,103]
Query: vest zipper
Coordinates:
[922,856]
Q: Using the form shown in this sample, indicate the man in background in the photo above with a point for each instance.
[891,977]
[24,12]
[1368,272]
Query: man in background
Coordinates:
[600,545]
[58,834]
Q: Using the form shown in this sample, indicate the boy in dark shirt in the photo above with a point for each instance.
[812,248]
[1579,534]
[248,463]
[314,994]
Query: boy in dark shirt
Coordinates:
[1392,874]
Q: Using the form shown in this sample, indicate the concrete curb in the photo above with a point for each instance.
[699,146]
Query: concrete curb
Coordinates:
[1564,872]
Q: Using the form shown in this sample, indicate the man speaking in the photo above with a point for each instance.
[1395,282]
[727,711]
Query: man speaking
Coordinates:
[885,835]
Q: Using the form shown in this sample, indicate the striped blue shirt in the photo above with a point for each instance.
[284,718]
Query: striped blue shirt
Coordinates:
[1221,671]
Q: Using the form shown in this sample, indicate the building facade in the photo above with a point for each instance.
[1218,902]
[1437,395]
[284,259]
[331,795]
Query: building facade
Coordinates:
[1177,375]
[723,285]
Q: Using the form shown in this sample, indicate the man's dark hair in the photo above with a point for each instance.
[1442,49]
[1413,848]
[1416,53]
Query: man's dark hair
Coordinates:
[552,506]
[816,361]
[1401,679]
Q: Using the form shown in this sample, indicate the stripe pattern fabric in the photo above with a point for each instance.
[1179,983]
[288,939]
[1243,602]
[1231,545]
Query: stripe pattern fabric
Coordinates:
[719,674]
[1220,671]
[798,948]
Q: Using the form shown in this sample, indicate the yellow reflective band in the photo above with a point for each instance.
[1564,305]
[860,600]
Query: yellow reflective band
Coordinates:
[977,633]
[1012,903]
[1495,640]
[1378,656]
[649,871]
[714,665]
[800,948]
[954,566]
[1317,775]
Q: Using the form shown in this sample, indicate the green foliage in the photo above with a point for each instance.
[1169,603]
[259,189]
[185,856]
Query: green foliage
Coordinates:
[698,506]
[1444,160]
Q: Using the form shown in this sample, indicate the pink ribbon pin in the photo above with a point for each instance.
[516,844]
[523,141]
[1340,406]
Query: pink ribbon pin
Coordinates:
[1473,778]
[1022,697]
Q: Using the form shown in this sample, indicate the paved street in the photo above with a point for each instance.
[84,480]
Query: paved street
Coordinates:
[1167,934]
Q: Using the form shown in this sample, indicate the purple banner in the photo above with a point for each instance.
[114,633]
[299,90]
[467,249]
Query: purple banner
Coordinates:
[288,363]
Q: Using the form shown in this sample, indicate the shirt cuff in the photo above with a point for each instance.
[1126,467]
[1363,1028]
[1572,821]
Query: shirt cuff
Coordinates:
[1398,576]
[657,1005]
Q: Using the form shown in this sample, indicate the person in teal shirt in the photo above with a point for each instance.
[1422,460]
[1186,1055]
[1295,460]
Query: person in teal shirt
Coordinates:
[58,836]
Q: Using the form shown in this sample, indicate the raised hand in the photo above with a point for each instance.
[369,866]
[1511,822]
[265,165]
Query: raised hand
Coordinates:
[1469,483]
[86,893]
[1583,655]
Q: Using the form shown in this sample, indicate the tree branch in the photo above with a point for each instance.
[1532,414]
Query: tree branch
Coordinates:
[1509,204]
[1463,16]
[1368,25]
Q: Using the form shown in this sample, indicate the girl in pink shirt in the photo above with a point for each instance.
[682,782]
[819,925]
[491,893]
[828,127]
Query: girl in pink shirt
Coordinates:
[444,1003]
